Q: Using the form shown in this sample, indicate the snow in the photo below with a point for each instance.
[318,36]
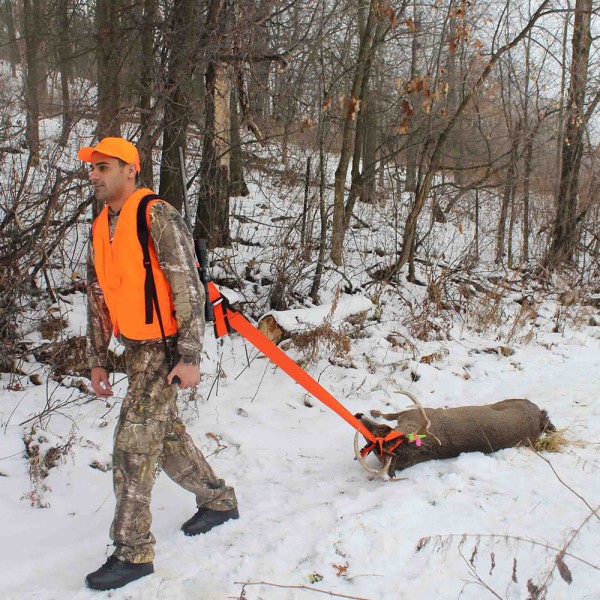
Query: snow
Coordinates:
[308,511]
[309,318]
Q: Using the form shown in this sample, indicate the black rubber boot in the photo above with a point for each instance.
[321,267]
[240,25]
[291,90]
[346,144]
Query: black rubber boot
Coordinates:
[115,573]
[205,519]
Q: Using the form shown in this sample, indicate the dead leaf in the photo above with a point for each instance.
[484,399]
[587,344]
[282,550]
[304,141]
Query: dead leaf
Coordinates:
[341,569]
[306,124]
[403,129]
[564,571]
[214,437]
[411,24]
[407,108]
[35,379]
[96,464]
[353,108]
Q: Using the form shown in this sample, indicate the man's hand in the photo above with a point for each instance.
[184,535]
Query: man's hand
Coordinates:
[100,383]
[189,375]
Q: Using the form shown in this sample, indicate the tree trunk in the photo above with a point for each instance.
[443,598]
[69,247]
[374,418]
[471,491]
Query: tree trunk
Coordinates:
[564,235]
[507,200]
[31,14]
[527,170]
[316,284]
[339,225]
[13,51]
[455,75]
[237,185]
[414,136]
[212,221]
[369,185]
[476,236]
[147,83]
[177,108]
[528,138]
[108,57]
[212,217]
[64,51]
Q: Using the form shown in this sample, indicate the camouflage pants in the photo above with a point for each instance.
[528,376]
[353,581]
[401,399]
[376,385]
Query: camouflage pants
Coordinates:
[149,433]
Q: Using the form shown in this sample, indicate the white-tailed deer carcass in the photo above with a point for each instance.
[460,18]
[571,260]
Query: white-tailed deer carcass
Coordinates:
[432,433]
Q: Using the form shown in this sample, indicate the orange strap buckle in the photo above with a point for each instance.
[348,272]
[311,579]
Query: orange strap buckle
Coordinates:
[398,436]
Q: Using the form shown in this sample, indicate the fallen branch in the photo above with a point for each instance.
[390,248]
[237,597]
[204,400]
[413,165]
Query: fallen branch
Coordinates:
[299,587]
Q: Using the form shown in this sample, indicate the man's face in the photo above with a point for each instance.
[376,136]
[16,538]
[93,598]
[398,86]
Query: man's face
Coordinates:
[113,183]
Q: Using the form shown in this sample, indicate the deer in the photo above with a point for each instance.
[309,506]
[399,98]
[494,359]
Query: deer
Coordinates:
[435,433]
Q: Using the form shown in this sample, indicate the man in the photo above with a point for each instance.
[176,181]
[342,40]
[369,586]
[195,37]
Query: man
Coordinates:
[148,432]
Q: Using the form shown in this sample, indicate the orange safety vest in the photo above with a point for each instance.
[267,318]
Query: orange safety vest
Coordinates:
[121,274]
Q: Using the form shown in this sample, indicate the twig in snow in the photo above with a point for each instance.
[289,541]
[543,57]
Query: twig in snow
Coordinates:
[477,579]
[297,587]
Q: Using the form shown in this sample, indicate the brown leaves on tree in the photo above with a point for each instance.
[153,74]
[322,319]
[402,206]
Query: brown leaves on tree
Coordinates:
[383,10]
[407,108]
[353,108]
[403,128]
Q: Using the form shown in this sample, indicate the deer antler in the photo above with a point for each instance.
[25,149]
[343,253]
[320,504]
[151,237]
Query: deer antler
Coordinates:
[426,423]
[378,472]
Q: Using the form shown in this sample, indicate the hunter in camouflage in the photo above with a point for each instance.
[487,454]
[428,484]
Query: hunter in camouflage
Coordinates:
[149,432]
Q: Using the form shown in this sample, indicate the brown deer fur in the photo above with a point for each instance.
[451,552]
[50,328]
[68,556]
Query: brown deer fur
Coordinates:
[484,428]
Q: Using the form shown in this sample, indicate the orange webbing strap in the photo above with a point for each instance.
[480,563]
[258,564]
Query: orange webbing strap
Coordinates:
[227,317]
[220,304]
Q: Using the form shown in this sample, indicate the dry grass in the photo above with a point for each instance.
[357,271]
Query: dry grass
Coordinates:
[51,326]
[555,441]
[310,342]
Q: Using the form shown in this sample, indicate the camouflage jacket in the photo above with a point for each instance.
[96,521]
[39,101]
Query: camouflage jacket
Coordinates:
[175,252]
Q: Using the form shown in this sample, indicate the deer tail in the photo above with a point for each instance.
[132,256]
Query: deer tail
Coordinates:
[546,423]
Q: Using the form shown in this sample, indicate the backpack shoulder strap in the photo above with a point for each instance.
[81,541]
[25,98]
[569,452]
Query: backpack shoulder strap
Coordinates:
[143,234]
[150,294]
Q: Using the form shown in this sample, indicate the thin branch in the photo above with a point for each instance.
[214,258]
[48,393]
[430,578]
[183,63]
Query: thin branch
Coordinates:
[300,587]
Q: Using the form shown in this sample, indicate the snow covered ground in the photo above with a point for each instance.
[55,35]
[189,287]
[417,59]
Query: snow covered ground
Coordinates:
[311,518]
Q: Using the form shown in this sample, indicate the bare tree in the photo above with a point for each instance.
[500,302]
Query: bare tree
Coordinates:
[440,143]
[564,235]
[13,52]
[109,62]
[31,14]
[64,52]
[353,106]
[212,219]
[181,49]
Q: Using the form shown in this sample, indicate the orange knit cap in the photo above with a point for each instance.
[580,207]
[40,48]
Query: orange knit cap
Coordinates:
[113,146]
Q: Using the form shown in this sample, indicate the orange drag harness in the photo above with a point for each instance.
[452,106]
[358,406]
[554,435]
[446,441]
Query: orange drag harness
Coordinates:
[227,319]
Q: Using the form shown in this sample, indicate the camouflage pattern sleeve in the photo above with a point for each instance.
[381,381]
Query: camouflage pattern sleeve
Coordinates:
[176,256]
[99,326]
